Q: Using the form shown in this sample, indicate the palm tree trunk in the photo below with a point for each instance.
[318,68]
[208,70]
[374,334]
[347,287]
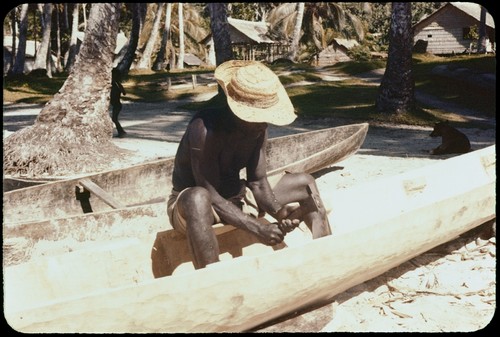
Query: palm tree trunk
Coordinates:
[481,42]
[18,68]
[138,14]
[220,32]
[44,49]
[145,61]
[160,57]
[72,134]
[65,17]
[73,40]
[84,6]
[294,48]
[58,64]
[180,60]
[14,36]
[397,89]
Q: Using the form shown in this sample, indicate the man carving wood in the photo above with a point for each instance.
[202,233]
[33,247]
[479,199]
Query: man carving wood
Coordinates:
[218,143]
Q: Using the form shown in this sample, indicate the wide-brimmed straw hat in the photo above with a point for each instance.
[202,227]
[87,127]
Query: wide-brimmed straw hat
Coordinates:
[254,93]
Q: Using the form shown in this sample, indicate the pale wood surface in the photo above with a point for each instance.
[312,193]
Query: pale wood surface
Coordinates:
[396,219]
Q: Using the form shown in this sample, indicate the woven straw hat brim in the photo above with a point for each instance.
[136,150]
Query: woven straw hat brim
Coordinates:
[281,113]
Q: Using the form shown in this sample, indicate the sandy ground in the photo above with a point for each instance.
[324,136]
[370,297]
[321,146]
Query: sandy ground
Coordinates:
[451,288]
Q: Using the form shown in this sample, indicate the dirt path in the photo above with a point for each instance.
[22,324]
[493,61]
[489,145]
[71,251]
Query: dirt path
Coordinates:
[451,288]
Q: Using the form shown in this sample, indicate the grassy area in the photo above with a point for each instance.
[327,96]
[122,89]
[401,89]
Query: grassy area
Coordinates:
[144,85]
[355,99]
[31,89]
[460,93]
[351,98]
[353,68]
[150,86]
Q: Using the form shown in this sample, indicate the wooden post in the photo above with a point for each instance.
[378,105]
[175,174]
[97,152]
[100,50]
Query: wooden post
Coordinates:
[193,77]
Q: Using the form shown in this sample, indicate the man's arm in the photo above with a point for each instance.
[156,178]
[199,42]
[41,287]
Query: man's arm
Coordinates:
[257,180]
[262,191]
[122,88]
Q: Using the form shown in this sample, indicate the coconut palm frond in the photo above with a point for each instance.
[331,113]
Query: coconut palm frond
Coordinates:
[330,35]
[280,13]
[316,32]
[289,24]
[357,26]
[282,21]
[335,16]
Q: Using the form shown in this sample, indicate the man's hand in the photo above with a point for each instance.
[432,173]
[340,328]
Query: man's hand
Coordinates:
[286,223]
[270,233]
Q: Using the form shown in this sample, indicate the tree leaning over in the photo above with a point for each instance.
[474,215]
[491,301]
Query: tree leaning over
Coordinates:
[72,134]
[145,60]
[138,16]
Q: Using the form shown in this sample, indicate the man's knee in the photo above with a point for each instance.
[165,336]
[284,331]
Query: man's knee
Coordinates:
[303,179]
[195,196]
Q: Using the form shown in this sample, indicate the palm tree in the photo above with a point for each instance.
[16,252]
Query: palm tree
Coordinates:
[321,22]
[294,48]
[180,60]
[165,39]
[397,89]
[481,42]
[195,29]
[72,133]
[138,16]
[18,68]
[145,61]
[43,53]
[58,63]
[73,39]
[220,32]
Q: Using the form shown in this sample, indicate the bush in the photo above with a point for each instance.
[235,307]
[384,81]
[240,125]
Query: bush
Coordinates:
[359,53]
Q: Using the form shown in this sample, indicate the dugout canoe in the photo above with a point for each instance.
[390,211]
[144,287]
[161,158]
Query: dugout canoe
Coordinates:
[151,182]
[376,226]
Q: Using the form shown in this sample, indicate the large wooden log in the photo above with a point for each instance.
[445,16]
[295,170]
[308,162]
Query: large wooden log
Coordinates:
[377,226]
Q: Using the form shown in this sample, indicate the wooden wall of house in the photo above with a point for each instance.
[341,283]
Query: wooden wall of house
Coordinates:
[331,55]
[444,31]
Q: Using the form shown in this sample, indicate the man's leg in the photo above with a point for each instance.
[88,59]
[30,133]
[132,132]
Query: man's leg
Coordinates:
[195,206]
[117,107]
[301,188]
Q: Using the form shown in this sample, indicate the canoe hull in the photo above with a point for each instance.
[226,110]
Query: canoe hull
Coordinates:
[421,210]
[151,182]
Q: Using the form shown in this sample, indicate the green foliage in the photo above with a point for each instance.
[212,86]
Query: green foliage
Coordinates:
[251,11]
[368,22]
[360,53]
[472,34]
[379,20]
